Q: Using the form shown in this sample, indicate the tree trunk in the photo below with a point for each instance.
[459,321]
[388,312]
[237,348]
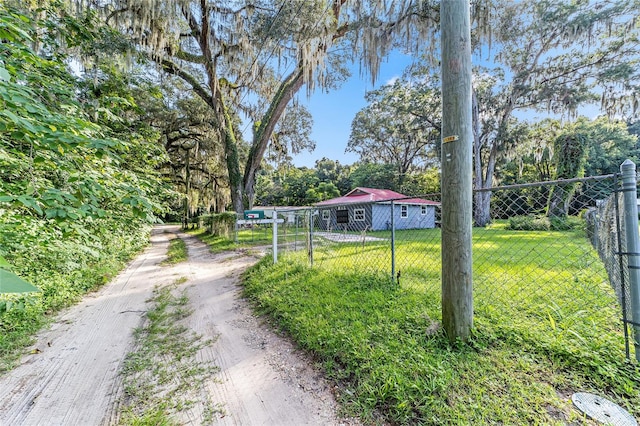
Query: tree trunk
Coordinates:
[233,164]
[185,223]
[264,130]
[483,179]
[559,201]
[482,210]
[457,170]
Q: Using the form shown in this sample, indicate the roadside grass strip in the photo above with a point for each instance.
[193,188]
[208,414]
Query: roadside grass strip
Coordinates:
[384,345]
[162,377]
[64,269]
[176,253]
[216,244]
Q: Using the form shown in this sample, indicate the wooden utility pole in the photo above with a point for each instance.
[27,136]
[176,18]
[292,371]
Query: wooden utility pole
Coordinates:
[457,169]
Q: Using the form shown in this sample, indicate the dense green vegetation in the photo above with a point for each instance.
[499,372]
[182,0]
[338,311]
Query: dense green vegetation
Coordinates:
[383,342]
[77,173]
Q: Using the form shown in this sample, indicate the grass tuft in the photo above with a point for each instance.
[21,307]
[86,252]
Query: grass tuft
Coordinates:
[176,253]
[162,377]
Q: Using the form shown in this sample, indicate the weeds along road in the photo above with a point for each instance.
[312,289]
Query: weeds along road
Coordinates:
[73,375]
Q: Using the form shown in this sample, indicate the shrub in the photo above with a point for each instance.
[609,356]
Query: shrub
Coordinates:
[529,223]
[220,224]
[543,223]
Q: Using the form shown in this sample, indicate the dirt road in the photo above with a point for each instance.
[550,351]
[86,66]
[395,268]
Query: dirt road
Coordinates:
[73,375]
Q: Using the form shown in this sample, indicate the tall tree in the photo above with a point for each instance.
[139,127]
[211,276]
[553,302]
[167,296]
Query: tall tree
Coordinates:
[195,164]
[400,126]
[230,52]
[372,175]
[331,171]
[551,56]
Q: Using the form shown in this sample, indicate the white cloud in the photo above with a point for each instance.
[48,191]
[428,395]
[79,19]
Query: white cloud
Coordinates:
[392,80]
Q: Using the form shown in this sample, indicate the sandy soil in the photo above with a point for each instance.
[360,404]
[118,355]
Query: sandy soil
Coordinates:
[71,375]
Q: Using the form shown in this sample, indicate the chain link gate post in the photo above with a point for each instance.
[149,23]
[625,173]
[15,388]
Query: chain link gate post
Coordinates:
[629,190]
[393,242]
[310,234]
[275,236]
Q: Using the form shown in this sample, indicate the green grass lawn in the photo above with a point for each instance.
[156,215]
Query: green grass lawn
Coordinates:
[546,325]
[259,235]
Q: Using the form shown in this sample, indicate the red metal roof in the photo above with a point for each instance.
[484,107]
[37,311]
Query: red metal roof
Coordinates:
[367,195]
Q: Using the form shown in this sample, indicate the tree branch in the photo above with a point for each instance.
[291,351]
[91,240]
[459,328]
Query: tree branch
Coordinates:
[174,69]
[189,57]
[262,134]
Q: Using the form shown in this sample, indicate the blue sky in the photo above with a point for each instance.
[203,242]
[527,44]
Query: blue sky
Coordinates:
[333,112]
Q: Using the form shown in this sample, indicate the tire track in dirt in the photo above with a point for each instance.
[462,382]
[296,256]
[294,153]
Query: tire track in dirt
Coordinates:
[263,379]
[74,380]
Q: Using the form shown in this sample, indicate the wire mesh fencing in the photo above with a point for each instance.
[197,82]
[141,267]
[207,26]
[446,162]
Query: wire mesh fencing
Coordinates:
[547,255]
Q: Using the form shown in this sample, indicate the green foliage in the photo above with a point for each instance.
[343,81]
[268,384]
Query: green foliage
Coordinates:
[570,150]
[426,182]
[177,252]
[370,175]
[529,223]
[331,171]
[400,126]
[78,185]
[57,163]
[64,268]
[610,143]
[384,346]
[220,224]
[324,191]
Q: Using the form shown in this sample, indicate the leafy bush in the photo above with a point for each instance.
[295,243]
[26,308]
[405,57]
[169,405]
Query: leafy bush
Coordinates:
[220,224]
[79,190]
[529,223]
[63,266]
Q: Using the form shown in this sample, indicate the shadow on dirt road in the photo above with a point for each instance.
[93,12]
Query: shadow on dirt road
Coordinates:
[74,378]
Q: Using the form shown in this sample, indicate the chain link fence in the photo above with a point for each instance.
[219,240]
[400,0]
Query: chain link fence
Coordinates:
[548,255]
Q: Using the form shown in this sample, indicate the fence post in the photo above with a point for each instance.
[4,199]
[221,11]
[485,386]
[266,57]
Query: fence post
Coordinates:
[393,242]
[296,217]
[629,190]
[275,236]
[236,228]
[310,246]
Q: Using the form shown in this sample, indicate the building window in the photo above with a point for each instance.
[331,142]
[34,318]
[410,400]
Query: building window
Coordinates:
[358,215]
[423,210]
[326,214]
[342,215]
[404,211]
